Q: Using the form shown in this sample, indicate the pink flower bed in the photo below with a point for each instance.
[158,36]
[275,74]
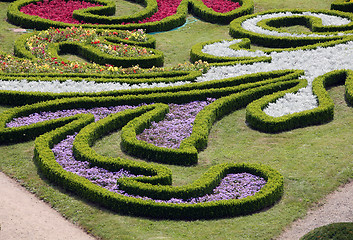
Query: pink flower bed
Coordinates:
[221,6]
[56,10]
[61,11]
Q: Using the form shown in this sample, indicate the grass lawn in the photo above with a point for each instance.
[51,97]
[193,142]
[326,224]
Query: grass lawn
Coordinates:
[314,160]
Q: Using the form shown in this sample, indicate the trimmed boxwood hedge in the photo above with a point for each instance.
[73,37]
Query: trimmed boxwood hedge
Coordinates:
[157,186]
[342,5]
[102,16]
[237,31]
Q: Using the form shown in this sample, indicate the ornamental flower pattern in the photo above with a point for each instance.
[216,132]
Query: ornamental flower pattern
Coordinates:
[228,188]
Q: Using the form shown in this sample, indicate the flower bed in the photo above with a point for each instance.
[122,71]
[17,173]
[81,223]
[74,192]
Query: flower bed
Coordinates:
[57,10]
[63,10]
[153,18]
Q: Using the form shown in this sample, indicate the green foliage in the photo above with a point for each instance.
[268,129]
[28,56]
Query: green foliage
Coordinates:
[334,231]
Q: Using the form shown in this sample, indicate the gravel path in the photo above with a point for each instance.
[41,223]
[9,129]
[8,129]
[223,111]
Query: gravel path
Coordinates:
[337,207]
[23,216]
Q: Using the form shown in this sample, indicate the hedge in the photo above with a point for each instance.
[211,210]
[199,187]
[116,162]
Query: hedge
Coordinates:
[342,5]
[237,31]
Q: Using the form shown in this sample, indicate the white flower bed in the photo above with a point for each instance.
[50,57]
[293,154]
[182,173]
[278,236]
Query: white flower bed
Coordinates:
[74,86]
[314,62]
[327,20]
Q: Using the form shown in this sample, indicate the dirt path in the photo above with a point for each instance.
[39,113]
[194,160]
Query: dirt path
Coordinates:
[337,207]
[23,216]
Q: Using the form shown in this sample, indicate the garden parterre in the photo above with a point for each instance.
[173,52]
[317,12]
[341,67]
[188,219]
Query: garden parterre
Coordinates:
[142,186]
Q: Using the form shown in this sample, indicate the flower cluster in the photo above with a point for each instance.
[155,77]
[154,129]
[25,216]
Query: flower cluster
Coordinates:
[57,10]
[38,43]
[221,6]
[47,64]
[138,35]
[122,50]
[176,126]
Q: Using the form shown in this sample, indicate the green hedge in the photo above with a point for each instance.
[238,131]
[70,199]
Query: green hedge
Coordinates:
[236,30]
[342,5]
[231,93]
[102,15]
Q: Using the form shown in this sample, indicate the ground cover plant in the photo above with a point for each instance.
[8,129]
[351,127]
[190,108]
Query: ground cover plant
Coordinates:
[299,192]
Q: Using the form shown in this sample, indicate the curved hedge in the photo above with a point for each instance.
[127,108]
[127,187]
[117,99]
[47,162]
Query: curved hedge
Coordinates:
[237,31]
[342,5]
[245,88]
[257,119]
[101,15]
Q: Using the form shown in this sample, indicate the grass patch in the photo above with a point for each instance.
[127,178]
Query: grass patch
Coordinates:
[314,161]
[124,8]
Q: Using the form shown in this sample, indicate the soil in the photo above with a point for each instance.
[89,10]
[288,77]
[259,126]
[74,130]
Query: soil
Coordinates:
[23,216]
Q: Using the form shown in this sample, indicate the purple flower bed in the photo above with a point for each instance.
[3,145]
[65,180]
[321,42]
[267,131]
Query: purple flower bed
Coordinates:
[233,186]
[167,133]
[106,179]
[99,113]
[176,126]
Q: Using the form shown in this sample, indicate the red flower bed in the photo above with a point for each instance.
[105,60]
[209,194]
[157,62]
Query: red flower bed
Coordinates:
[166,8]
[56,10]
[221,6]
[59,10]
